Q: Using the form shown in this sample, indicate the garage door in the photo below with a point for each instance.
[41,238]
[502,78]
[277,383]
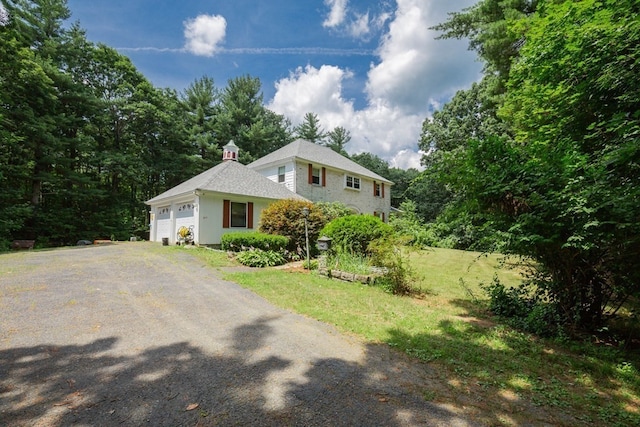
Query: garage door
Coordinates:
[185,215]
[163,223]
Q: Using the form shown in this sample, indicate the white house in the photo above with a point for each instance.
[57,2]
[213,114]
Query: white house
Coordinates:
[228,197]
[320,174]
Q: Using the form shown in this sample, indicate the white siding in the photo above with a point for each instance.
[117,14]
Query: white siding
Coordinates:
[271,172]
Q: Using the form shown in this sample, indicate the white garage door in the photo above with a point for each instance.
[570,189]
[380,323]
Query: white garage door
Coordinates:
[185,215]
[163,223]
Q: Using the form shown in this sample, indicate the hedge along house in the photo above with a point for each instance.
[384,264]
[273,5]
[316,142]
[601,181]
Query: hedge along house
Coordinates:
[320,174]
[226,198]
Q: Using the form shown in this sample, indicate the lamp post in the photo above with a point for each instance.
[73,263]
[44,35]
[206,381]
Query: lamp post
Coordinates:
[305,214]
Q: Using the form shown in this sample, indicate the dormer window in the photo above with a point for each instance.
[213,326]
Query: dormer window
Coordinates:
[352,182]
[281,171]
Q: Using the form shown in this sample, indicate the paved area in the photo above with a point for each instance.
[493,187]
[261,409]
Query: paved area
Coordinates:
[130,335]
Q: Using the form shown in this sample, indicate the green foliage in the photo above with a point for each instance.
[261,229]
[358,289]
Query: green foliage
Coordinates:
[284,218]
[407,223]
[241,241]
[260,258]
[398,277]
[525,309]
[333,210]
[353,233]
[310,129]
[337,139]
[349,262]
[563,184]
[243,118]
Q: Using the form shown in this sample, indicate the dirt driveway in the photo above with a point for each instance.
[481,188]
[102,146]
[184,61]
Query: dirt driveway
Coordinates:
[129,334]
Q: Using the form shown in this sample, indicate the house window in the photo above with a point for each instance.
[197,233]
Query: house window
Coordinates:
[353,182]
[238,214]
[281,174]
[377,189]
[315,176]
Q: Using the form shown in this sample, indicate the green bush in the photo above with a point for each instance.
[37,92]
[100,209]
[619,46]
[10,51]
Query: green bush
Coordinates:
[333,210]
[398,278]
[285,218]
[240,241]
[524,310]
[353,233]
[260,258]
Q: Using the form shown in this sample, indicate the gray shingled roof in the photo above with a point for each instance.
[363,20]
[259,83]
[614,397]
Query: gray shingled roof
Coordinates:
[316,154]
[232,178]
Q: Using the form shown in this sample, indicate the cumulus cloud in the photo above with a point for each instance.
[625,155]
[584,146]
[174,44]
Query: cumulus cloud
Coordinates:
[415,69]
[379,128]
[414,74]
[337,13]
[204,34]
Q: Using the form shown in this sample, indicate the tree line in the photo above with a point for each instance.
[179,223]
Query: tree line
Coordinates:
[86,138]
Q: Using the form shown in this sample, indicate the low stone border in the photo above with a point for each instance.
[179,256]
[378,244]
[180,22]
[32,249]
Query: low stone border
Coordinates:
[367,279]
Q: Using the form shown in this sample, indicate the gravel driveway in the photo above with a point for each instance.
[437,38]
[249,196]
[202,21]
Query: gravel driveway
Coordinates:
[131,334]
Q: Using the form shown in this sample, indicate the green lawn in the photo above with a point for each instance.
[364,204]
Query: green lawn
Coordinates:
[494,373]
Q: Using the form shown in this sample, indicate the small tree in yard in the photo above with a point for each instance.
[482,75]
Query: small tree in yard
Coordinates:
[284,218]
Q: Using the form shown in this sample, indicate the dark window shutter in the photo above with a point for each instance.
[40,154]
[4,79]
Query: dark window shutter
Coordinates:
[374,189]
[226,214]
[324,177]
[310,173]
[382,216]
[382,190]
[250,215]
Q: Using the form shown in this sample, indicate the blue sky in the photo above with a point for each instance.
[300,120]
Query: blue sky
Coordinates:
[373,67]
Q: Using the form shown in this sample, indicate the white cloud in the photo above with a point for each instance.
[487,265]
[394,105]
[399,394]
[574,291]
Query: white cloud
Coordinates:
[317,90]
[337,13]
[379,128]
[359,28]
[415,69]
[415,74]
[204,34]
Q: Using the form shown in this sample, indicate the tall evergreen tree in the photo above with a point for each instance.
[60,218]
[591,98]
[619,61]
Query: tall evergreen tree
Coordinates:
[310,129]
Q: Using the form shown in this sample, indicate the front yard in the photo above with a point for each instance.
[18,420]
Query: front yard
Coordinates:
[497,374]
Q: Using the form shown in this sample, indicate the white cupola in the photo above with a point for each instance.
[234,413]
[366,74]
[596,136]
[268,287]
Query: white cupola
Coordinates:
[230,152]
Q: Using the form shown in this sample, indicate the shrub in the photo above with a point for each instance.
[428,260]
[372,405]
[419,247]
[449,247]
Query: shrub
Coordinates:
[398,278]
[333,210]
[260,258]
[239,241]
[353,233]
[524,309]
[284,218]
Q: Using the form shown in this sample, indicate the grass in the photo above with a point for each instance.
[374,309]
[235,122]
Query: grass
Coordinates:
[498,374]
